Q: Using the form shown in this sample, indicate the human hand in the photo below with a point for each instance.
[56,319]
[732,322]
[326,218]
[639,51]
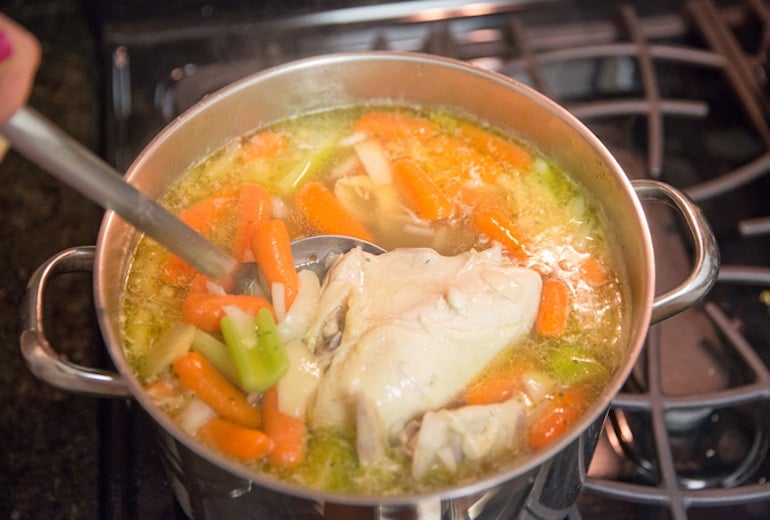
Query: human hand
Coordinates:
[19,60]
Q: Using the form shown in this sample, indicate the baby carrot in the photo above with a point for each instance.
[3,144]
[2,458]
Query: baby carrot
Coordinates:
[161,389]
[199,284]
[565,409]
[243,443]
[471,198]
[593,271]
[287,432]
[326,213]
[263,145]
[215,351]
[203,216]
[177,271]
[499,227]
[420,192]
[209,213]
[498,386]
[205,311]
[455,163]
[196,374]
[253,210]
[497,147]
[390,125]
[271,248]
[554,308]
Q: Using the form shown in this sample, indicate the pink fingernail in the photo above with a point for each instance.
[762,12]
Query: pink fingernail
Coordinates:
[6,49]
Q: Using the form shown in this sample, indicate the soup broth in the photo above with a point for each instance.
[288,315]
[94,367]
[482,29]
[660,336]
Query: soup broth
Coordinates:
[499,277]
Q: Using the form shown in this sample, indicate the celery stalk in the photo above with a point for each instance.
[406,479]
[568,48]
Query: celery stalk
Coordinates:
[309,168]
[255,348]
[216,352]
[271,345]
[572,365]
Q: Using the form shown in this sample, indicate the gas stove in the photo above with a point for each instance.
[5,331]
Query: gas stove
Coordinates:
[677,90]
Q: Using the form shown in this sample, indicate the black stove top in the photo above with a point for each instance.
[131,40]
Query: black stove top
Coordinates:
[678,92]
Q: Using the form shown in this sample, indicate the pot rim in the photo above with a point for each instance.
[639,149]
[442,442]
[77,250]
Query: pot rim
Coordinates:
[520,466]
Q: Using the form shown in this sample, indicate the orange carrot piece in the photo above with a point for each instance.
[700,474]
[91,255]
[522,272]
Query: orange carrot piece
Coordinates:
[565,409]
[203,216]
[452,163]
[326,213]
[198,375]
[390,125]
[420,192]
[161,389]
[288,433]
[554,308]
[271,248]
[497,147]
[497,386]
[176,271]
[499,227]
[263,145]
[205,311]
[243,443]
[254,209]
[593,271]
[209,213]
[199,284]
[473,198]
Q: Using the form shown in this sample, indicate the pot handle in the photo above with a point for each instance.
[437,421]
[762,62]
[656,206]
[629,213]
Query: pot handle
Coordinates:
[41,359]
[706,252]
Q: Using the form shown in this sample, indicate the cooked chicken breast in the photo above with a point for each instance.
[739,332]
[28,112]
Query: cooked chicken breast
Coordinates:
[417,327]
[449,437]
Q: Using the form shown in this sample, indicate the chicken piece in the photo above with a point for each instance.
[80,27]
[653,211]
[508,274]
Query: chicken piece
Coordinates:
[448,437]
[371,443]
[379,208]
[418,327]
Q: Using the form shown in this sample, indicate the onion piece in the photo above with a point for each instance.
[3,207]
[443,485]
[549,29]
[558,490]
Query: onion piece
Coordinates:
[297,386]
[297,320]
[278,294]
[195,415]
[215,288]
[349,166]
[352,139]
[537,385]
[376,164]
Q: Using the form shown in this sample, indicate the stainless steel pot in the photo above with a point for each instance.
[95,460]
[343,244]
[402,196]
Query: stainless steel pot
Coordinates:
[206,484]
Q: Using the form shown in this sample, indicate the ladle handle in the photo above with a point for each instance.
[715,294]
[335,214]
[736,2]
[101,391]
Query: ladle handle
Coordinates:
[42,142]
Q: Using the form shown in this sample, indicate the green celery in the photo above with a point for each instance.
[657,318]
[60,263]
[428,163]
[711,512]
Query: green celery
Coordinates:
[573,365]
[255,348]
[271,345]
[308,169]
[217,354]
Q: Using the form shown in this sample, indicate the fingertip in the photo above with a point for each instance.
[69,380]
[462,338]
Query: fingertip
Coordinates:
[6,48]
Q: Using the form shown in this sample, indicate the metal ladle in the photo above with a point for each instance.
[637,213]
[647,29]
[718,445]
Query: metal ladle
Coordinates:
[43,143]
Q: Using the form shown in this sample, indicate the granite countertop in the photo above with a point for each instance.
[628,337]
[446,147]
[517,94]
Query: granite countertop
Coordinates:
[48,454]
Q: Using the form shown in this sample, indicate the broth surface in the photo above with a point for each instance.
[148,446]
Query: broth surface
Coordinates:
[416,182]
